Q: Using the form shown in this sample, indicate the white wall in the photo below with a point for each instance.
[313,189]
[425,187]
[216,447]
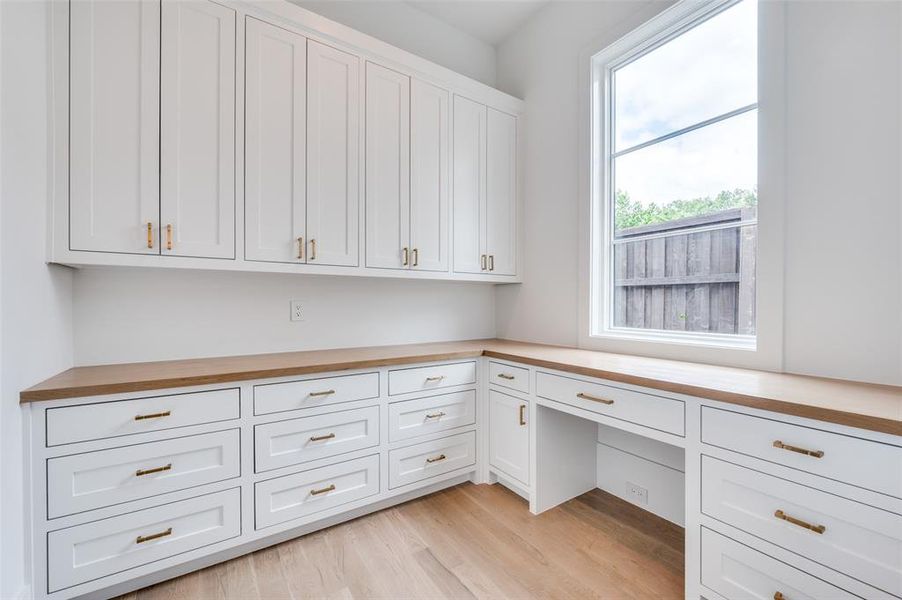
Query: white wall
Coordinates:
[843,262]
[35,300]
[411,29]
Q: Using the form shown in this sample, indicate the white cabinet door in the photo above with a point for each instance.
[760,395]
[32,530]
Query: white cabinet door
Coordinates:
[197,204]
[469,185]
[387,168]
[114,126]
[509,435]
[275,143]
[501,193]
[333,117]
[429,182]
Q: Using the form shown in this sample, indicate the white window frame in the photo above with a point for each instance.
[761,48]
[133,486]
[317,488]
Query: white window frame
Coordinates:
[764,350]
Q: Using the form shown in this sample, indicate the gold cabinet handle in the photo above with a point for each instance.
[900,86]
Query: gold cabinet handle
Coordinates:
[330,488]
[482,263]
[522,414]
[437,415]
[779,596]
[435,378]
[506,376]
[436,459]
[154,536]
[142,472]
[312,249]
[812,453]
[169,237]
[404,256]
[594,398]
[491,262]
[319,438]
[805,525]
[158,415]
[300,248]
[322,393]
[416,257]
[149,234]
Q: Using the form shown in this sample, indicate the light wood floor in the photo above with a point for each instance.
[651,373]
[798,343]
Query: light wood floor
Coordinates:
[467,541]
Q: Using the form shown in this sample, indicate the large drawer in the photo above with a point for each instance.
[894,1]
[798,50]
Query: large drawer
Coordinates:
[93,550]
[302,494]
[90,480]
[301,440]
[859,462]
[311,393]
[418,379]
[656,412]
[412,418]
[431,459]
[515,378]
[69,424]
[738,572]
[859,540]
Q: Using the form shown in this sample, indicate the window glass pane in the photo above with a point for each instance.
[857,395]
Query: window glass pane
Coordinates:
[707,71]
[698,174]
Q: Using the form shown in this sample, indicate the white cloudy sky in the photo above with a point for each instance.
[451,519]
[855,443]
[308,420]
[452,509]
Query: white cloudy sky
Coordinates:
[706,72]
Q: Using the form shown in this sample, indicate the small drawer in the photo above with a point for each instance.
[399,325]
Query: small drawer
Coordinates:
[430,459]
[70,424]
[515,378]
[419,379]
[859,540]
[859,462]
[312,393]
[301,440]
[81,482]
[734,570]
[412,418]
[303,494]
[94,550]
[648,410]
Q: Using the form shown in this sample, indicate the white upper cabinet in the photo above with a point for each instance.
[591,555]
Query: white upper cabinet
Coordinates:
[429,181]
[275,202]
[501,193]
[197,201]
[469,186]
[387,168]
[333,117]
[114,127]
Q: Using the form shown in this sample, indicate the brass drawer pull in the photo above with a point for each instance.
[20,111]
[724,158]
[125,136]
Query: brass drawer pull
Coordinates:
[142,472]
[300,248]
[331,488]
[416,257]
[815,528]
[482,262]
[437,415]
[491,262]
[594,398]
[322,393]
[148,538]
[522,414]
[312,249]
[812,453]
[169,237]
[404,256]
[158,415]
[436,459]
[319,438]
[779,596]
[506,376]
[149,234]
[435,378]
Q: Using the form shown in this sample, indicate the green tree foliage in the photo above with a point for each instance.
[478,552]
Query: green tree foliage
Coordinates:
[629,213]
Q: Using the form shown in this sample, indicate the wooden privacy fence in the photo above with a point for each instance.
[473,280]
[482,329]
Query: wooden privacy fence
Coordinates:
[693,274]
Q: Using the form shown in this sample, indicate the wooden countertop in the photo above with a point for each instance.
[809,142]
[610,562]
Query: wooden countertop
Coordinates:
[868,406]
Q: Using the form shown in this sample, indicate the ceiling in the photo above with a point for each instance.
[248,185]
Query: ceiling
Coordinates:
[491,21]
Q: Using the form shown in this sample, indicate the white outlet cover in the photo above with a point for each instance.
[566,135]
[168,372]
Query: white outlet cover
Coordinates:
[297,310]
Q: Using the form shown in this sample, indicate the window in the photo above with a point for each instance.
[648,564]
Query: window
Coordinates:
[675,145]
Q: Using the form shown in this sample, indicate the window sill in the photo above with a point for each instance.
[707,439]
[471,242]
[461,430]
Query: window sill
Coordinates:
[701,340]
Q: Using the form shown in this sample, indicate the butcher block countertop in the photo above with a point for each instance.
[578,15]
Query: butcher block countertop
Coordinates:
[863,405]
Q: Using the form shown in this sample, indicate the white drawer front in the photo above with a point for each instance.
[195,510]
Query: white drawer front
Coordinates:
[738,572]
[418,379]
[859,540]
[656,412]
[81,482]
[302,494]
[93,550]
[430,459]
[859,462]
[301,440]
[515,378]
[413,418]
[311,393]
[70,424]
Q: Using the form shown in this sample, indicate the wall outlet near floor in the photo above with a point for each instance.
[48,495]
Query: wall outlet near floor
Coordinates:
[297,311]
[636,494]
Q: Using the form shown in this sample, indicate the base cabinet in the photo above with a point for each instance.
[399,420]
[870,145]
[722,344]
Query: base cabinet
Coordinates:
[509,435]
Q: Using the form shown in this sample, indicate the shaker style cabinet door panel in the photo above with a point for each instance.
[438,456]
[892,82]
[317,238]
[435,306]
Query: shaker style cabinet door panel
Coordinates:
[197,204]
[387,168]
[469,185]
[333,107]
[275,144]
[501,193]
[509,435]
[114,146]
[429,181]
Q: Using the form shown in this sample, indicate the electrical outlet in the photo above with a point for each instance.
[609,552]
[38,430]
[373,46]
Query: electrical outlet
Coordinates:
[636,494]
[297,311]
